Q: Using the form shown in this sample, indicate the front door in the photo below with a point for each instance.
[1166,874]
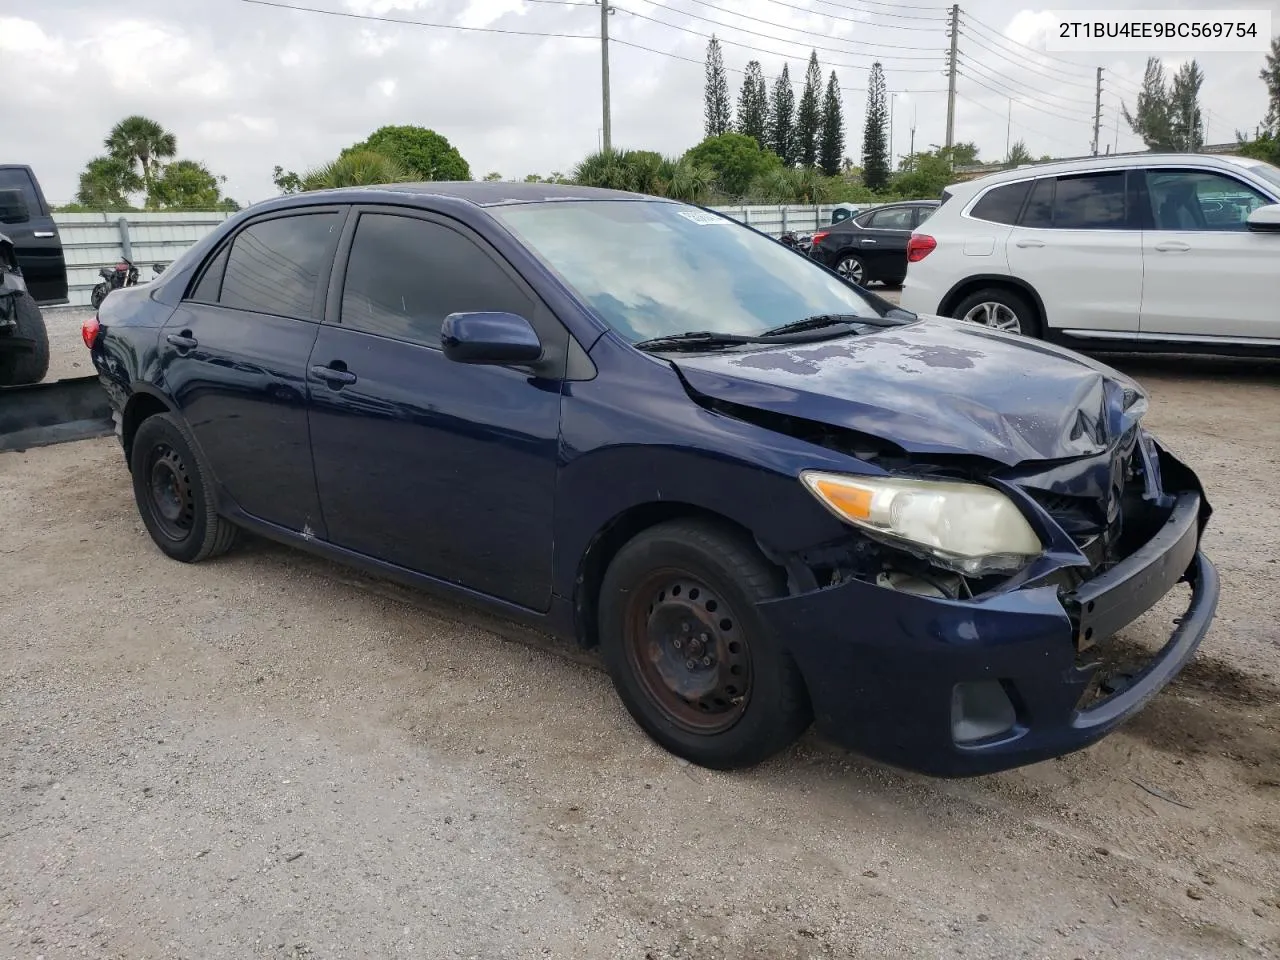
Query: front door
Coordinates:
[234,357]
[1079,246]
[442,468]
[1207,274]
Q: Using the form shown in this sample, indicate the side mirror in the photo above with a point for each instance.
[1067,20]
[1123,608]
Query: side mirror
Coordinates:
[13,207]
[1265,219]
[496,339]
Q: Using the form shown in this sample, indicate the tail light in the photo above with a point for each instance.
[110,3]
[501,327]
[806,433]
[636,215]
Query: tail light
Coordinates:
[818,237]
[920,246]
[89,331]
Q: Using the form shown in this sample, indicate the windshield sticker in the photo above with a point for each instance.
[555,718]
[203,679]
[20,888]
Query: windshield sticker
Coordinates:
[704,218]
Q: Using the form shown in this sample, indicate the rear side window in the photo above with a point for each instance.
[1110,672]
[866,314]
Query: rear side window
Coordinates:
[1039,212]
[15,179]
[1002,204]
[1095,201]
[405,275]
[900,218]
[276,266]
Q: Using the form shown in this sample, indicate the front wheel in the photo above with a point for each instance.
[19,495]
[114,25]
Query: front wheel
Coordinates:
[99,294]
[689,655]
[174,492]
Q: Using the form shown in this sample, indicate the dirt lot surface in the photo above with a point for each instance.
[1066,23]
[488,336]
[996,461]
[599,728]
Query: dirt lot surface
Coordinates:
[267,756]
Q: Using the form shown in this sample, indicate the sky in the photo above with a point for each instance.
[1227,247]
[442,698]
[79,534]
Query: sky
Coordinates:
[245,86]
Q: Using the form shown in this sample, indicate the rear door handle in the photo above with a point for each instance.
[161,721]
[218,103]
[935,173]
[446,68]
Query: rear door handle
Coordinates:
[183,340]
[1029,242]
[1173,246]
[870,241]
[43,234]
[334,376]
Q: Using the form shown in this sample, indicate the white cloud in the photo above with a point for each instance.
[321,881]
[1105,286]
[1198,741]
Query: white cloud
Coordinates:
[245,86]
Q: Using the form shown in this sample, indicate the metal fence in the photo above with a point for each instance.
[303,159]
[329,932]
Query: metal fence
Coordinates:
[94,240]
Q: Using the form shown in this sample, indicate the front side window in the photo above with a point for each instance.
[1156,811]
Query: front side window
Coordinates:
[405,275]
[652,268]
[276,266]
[19,180]
[1200,200]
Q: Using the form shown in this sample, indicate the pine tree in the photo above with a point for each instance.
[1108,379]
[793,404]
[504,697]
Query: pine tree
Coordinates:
[716,97]
[1150,119]
[875,147]
[831,139]
[782,108]
[809,115]
[1185,119]
[1270,75]
[753,105]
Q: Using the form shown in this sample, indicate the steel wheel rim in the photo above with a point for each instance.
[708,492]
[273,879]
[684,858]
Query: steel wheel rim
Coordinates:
[170,497]
[687,648]
[851,269]
[997,316]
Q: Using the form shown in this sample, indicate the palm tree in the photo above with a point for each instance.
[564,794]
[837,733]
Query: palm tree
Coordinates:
[142,141]
[360,168]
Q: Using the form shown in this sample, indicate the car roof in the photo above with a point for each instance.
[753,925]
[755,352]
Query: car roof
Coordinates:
[485,193]
[1113,161]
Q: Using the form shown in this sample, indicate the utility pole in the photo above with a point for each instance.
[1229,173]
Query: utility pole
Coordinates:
[1008,131]
[911,153]
[605,10]
[1097,112]
[951,77]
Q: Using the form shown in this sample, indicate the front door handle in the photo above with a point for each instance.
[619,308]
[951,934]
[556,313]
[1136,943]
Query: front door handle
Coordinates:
[183,340]
[870,241]
[335,376]
[1029,242]
[1173,246]
[43,234]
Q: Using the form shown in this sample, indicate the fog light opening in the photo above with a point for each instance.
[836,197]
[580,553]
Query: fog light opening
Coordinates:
[980,710]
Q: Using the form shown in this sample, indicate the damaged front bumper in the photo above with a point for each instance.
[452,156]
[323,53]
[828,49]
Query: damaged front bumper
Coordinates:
[963,687]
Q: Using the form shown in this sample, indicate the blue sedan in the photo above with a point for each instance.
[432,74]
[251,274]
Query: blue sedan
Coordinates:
[768,496]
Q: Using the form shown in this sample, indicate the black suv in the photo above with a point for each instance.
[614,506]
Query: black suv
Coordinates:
[872,245]
[33,272]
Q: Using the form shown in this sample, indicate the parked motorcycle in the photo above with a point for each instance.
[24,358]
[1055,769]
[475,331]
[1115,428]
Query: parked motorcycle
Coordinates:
[123,274]
[798,242]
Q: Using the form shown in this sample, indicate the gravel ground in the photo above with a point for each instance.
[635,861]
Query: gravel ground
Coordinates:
[270,756]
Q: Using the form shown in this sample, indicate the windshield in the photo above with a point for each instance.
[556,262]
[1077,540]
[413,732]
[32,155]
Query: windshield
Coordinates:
[653,269]
[1267,172]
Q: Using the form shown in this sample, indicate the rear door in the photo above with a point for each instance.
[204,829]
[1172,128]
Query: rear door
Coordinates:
[1207,274]
[234,358]
[35,239]
[1079,246]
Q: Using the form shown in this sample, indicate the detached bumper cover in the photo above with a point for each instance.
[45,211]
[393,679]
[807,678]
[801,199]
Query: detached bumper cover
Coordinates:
[881,665]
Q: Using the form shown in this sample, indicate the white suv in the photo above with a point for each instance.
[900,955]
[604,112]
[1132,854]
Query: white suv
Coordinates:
[1180,251]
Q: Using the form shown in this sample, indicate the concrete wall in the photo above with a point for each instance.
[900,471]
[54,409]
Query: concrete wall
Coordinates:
[94,240]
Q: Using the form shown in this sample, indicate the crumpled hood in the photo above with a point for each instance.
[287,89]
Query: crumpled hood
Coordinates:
[937,386]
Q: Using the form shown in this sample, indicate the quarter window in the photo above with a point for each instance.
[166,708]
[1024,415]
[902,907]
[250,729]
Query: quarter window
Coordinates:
[1200,200]
[1002,204]
[405,275]
[210,283]
[276,266]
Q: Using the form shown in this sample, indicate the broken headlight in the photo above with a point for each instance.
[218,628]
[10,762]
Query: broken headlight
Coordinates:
[965,527]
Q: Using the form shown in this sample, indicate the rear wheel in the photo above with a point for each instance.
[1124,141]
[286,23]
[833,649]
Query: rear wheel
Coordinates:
[851,267]
[25,365]
[1000,309]
[689,655]
[174,493]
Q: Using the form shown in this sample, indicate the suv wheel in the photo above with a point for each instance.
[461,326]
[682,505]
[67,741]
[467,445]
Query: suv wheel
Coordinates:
[999,309]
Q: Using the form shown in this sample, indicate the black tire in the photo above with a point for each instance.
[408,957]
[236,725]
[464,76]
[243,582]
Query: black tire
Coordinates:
[1028,321]
[173,488]
[99,294]
[674,577]
[26,366]
[849,264]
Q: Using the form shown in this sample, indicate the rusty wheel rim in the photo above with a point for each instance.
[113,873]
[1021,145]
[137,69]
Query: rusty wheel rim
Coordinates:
[685,644]
[171,495]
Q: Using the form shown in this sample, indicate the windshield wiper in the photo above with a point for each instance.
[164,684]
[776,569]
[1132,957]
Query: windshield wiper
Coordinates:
[698,338]
[823,320]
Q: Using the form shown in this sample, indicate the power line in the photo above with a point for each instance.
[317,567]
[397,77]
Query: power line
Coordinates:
[775,53]
[886,3]
[869,13]
[1019,125]
[423,23]
[783,26]
[1006,93]
[1001,38]
[1057,78]
[997,75]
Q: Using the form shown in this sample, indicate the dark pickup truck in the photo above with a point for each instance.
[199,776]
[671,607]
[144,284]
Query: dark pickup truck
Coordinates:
[33,273]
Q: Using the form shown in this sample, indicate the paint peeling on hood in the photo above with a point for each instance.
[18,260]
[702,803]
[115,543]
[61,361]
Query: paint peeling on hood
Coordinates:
[938,386]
